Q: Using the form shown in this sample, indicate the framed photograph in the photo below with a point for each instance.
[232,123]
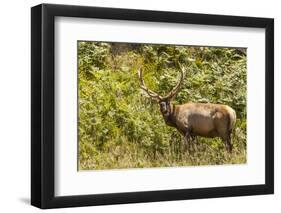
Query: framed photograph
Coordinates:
[139,106]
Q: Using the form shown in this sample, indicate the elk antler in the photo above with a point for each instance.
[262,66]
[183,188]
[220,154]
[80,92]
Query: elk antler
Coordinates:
[171,94]
[175,90]
[148,91]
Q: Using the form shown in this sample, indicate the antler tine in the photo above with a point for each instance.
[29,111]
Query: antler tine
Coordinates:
[175,90]
[144,87]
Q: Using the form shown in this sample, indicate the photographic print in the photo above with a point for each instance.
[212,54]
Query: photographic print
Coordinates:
[179,96]
[160,105]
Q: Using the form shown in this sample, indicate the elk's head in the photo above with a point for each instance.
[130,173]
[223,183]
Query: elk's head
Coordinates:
[164,101]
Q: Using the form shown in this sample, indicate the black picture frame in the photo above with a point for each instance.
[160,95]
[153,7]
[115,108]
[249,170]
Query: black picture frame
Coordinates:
[43,102]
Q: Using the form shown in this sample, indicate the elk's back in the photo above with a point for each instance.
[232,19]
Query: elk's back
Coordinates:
[204,119]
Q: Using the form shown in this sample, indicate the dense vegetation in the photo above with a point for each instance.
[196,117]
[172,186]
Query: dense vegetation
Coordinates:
[121,127]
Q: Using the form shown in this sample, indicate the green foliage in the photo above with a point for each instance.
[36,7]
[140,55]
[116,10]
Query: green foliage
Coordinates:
[120,127]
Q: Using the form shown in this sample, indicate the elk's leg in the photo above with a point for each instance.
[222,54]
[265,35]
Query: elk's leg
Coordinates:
[194,143]
[227,142]
[187,140]
[224,132]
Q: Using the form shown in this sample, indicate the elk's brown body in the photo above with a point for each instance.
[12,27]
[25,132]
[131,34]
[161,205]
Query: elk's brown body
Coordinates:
[199,119]
[195,119]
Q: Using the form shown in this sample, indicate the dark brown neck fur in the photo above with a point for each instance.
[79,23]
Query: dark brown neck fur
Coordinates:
[171,118]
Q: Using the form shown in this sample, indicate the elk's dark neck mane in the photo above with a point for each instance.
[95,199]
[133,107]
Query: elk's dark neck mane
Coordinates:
[171,118]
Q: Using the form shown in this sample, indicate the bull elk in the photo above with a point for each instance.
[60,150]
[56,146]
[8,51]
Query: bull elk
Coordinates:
[194,119]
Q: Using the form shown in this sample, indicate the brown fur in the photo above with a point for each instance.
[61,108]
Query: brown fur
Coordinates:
[199,119]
